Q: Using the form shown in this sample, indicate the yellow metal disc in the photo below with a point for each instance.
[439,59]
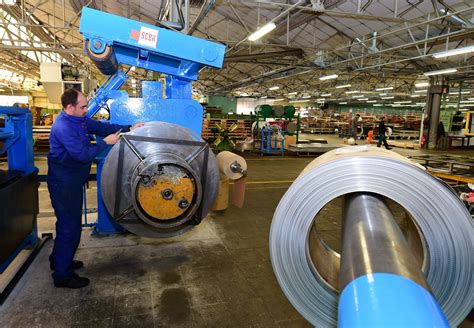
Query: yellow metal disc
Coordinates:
[167,195]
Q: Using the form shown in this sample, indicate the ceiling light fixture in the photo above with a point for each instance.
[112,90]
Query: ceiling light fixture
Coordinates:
[420,91]
[292,93]
[352,91]
[343,103]
[306,97]
[422,84]
[402,102]
[296,101]
[441,71]
[278,99]
[343,86]
[382,94]
[267,28]
[383,89]
[274,88]
[371,101]
[363,99]
[358,96]
[390,97]
[328,77]
[414,96]
[453,52]
[326,95]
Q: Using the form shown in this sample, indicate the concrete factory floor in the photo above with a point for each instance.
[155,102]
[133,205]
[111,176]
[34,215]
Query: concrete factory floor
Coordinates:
[218,275]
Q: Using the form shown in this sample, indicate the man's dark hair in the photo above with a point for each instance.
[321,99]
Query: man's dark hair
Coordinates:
[69,97]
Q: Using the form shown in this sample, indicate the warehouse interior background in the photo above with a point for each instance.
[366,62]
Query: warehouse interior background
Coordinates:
[280,100]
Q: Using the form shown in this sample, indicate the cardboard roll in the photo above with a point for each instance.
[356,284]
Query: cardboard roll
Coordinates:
[441,222]
[231,165]
[160,180]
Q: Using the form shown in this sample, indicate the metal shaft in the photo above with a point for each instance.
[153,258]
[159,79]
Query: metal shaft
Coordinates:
[373,242]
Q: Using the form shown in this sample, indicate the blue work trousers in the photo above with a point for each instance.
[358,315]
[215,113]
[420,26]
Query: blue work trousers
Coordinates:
[383,139]
[67,204]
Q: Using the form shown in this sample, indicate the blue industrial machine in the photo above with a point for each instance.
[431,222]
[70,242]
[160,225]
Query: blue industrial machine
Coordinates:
[112,41]
[272,141]
[18,185]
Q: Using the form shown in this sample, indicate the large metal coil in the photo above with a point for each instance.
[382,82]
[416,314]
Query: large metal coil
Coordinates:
[442,222]
[278,111]
[160,180]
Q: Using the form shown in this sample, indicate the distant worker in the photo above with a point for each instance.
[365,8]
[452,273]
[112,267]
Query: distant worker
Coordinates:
[440,134]
[355,121]
[382,131]
[69,163]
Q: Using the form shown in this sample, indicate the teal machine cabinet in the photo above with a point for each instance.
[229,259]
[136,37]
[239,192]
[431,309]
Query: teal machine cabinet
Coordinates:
[140,195]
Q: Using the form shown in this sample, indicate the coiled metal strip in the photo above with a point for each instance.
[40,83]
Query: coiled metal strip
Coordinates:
[442,219]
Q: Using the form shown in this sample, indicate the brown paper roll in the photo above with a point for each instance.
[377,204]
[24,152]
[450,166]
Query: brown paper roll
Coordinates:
[225,160]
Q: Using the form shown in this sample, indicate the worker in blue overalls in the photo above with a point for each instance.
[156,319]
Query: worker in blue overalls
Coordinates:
[69,163]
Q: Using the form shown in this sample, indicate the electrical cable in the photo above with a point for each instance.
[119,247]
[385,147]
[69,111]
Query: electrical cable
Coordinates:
[442,220]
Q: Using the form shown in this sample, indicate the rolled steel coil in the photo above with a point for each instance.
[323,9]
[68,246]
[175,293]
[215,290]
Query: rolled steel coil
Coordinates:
[291,127]
[160,180]
[442,221]
[278,111]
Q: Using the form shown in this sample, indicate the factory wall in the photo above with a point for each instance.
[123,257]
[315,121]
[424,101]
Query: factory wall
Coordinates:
[228,105]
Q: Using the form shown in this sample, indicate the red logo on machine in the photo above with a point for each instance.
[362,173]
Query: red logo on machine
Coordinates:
[134,34]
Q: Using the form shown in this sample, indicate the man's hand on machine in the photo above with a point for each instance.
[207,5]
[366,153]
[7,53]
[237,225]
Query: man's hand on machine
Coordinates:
[113,138]
[136,126]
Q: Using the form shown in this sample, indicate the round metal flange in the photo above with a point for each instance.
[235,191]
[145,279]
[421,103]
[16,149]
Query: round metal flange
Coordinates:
[160,180]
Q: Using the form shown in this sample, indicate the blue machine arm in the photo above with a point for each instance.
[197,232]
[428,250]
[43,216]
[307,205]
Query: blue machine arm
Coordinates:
[103,93]
[17,136]
[112,40]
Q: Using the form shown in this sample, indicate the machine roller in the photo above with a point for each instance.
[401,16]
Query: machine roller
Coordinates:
[159,180]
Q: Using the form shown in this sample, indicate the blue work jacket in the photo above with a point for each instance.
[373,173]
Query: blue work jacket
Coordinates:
[70,149]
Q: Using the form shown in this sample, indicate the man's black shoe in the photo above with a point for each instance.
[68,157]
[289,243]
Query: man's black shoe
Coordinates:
[76,265]
[74,282]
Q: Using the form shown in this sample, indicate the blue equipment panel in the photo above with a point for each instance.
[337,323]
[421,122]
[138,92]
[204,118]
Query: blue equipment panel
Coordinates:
[184,112]
[18,138]
[18,185]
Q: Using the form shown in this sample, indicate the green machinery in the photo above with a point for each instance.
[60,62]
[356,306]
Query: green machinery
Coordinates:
[284,115]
